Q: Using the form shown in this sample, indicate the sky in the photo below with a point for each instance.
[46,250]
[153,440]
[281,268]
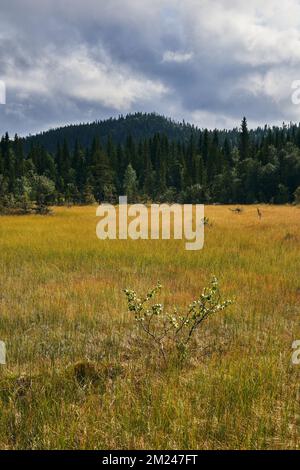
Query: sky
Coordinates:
[209,62]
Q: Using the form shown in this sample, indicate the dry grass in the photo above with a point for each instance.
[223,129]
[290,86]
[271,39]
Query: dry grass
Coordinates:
[76,378]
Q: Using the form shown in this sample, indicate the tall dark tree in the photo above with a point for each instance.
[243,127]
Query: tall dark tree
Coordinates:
[244,144]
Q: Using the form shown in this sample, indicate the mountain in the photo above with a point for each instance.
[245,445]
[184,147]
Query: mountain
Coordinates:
[150,158]
[139,126]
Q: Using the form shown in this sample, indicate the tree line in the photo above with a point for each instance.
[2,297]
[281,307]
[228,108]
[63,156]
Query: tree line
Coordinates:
[201,166]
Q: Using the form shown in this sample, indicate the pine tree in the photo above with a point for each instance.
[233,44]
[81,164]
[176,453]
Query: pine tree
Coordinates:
[103,177]
[19,156]
[80,166]
[244,144]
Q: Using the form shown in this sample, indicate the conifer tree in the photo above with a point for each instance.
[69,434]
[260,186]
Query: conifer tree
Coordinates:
[244,140]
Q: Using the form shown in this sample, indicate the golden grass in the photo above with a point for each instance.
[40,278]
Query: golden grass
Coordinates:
[62,306]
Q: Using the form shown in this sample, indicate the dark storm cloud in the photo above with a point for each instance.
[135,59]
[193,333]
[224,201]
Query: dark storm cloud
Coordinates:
[78,61]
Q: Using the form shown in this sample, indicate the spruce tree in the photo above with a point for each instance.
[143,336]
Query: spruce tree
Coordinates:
[244,143]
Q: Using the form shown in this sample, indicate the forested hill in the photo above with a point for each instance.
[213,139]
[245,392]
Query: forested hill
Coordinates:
[143,126]
[139,126]
[150,158]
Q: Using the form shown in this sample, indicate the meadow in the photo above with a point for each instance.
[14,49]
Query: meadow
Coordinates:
[76,375]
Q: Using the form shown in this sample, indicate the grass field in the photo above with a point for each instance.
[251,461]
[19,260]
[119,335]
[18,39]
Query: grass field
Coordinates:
[62,308]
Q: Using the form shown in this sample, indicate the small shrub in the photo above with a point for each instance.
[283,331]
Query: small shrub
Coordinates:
[171,333]
[43,209]
[206,222]
[237,210]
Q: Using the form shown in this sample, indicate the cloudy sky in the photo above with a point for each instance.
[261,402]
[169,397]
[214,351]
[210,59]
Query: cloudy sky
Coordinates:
[206,61]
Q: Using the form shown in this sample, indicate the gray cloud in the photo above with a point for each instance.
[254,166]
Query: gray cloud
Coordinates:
[207,62]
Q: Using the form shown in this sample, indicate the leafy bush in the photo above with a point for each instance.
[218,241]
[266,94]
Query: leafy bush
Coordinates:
[206,221]
[171,333]
[195,194]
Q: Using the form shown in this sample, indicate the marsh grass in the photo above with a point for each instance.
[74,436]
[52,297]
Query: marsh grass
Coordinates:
[76,374]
